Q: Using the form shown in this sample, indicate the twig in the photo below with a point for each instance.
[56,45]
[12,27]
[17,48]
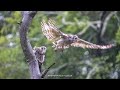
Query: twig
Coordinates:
[89,24]
[66,22]
[83,31]
[43,75]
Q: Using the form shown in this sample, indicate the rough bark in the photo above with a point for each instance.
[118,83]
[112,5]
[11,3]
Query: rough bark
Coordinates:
[27,17]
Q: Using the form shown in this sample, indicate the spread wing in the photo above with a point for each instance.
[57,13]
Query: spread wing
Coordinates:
[85,44]
[51,32]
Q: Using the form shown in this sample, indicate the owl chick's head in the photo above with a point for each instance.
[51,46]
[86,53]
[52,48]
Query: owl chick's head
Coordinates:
[43,49]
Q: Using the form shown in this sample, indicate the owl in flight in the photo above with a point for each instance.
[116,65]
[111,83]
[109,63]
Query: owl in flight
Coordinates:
[62,41]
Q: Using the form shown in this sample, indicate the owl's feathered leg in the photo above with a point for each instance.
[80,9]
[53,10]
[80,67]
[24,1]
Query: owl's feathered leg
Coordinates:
[54,46]
[40,66]
[62,48]
[58,48]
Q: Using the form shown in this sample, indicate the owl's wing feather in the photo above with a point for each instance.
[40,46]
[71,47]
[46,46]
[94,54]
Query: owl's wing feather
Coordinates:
[85,44]
[51,32]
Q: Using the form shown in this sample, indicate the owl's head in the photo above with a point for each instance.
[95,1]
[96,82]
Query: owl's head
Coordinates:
[70,37]
[75,38]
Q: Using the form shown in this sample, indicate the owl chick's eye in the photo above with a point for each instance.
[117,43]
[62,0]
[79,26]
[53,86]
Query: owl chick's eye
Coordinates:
[43,48]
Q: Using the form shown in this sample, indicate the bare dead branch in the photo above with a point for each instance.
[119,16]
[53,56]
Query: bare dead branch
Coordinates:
[27,17]
[83,31]
[66,22]
[43,75]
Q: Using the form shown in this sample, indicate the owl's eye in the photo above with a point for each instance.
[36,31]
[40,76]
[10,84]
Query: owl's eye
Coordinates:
[75,38]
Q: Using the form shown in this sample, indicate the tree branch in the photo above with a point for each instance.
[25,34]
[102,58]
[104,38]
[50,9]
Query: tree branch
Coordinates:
[27,17]
[89,24]
[105,22]
[43,75]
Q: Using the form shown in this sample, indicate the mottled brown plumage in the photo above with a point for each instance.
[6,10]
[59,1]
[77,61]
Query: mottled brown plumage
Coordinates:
[40,53]
[61,40]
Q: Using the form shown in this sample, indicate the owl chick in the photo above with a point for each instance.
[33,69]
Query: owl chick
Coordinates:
[40,53]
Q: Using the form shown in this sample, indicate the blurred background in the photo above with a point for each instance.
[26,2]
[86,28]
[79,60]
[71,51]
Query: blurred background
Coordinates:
[99,27]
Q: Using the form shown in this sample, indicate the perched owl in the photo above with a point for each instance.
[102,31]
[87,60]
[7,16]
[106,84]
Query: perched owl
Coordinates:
[40,53]
[62,41]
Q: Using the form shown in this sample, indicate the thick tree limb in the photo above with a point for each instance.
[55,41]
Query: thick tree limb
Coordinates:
[27,17]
